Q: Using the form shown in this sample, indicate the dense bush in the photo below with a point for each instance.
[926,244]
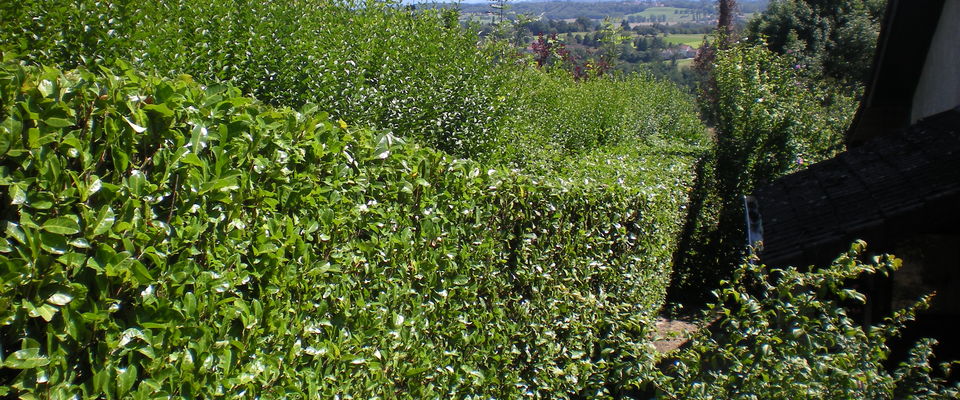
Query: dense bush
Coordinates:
[163,238]
[784,334]
[557,119]
[834,39]
[770,120]
[415,72]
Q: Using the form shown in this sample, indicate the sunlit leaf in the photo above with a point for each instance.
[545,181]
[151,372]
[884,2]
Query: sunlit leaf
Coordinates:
[59,299]
[62,225]
[25,359]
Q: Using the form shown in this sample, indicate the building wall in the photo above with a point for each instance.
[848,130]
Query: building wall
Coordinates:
[931,263]
[939,87]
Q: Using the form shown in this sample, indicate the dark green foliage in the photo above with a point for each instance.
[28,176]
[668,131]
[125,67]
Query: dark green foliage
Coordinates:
[700,263]
[783,334]
[167,239]
[833,39]
[770,119]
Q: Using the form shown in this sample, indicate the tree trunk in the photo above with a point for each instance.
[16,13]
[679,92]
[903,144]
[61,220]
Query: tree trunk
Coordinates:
[725,21]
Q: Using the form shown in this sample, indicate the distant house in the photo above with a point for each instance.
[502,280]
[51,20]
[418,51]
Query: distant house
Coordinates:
[898,185]
[679,52]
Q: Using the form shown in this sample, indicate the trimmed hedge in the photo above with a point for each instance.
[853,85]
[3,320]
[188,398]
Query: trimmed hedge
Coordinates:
[558,119]
[162,238]
[365,61]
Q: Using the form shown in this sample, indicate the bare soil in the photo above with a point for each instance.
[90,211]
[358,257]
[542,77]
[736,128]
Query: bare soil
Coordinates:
[671,334]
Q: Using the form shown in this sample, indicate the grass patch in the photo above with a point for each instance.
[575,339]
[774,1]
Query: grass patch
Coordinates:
[692,39]
[674,14]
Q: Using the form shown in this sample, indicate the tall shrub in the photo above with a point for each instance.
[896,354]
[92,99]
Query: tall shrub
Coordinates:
[835,39]
[770,119]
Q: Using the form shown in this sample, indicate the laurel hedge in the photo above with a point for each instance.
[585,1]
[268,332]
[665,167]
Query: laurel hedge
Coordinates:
[366,61]
[163,238]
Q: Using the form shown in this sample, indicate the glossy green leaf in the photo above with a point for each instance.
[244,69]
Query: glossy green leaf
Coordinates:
[17,195]
[46,88]
[121,160]
[93,188]
[62,225]
[41,201]
[104,221]
[45,311]
[126,379]
[58,122]
[160,109]
[13,230]
[192,159]
[7,138]
[73,259]
[25,359]
[136,128]
[225,184]
[33,138]
[140,273]
[60,299]
[54,243]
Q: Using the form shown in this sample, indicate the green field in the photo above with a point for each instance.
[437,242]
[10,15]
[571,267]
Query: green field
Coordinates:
[694,39]
[673,14]
[480,18]
[685,63]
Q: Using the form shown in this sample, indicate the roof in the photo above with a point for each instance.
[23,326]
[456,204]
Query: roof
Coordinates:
[903,182]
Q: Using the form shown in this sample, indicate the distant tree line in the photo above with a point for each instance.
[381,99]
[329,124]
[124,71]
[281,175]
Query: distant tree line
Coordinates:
[583,24]
[568,10]
[833,40]
[557,10]
[645,18]
[572,9]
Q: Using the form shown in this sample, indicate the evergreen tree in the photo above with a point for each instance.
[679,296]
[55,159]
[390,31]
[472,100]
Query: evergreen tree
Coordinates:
[834,39]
